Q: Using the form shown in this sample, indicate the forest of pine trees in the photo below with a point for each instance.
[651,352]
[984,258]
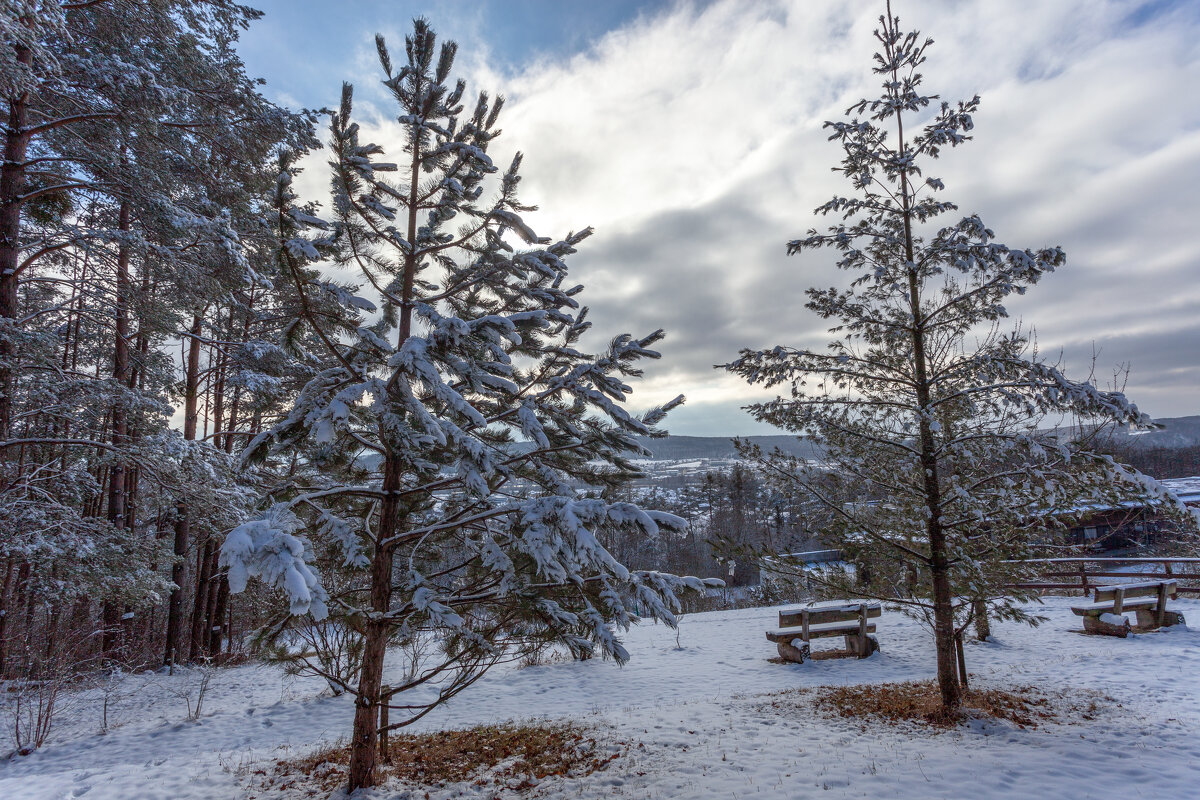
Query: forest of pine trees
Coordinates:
[140,164]
[237,422]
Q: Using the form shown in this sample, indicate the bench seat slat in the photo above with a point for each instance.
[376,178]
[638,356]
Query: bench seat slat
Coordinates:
[1094,609]
[1140,589]
[817,631]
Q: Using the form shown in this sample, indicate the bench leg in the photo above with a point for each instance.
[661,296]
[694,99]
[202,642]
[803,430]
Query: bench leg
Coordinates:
[1097,625]
[1148,619]
[794,654]
[861,646]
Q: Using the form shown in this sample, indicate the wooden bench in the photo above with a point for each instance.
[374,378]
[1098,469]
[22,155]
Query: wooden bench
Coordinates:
[800,625]
[1147,598]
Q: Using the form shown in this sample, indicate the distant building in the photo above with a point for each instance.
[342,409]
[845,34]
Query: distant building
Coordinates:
[787,567]
[1130,525]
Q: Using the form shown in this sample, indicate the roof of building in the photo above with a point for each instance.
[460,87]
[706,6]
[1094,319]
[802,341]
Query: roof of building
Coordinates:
[1186,489]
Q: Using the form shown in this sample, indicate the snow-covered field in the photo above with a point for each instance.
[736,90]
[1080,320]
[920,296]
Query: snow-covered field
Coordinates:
[699,713]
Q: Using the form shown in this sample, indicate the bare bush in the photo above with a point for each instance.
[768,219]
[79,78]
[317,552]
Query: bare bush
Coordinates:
[30,712]
[36,692]
[192,687]
[328,648]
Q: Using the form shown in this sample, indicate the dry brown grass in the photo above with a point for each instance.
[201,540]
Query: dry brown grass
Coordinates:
[514,755]
[920,702]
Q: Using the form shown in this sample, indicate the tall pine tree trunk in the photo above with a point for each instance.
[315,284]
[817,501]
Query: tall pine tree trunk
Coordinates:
[117,486]
[217,619]
[363,741]
[221,581]
[12,184]
[200,599]
[172,648]
[212,592]
[939,565]
[983,626]
[5,611]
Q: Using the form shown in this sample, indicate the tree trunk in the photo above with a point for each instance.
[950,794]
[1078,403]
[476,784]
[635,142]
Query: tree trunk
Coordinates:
[231,423]
[51,630]
[939,567]
[12,184]
[5,606]
[216,622]
[172,648]
[117,487]
[983,626]
[23,598]
[179,578]
[110,621]
[210,599]
[363,742]
[943,621]
[364,739]
[120,373]
[200,600]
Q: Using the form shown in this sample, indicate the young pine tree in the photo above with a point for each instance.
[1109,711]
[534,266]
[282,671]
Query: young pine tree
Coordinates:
[936,472]
[451,445]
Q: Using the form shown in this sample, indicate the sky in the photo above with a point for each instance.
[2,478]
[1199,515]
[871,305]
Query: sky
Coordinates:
[689,135]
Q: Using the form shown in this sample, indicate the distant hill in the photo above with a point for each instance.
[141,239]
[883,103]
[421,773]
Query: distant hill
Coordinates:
[1176,432]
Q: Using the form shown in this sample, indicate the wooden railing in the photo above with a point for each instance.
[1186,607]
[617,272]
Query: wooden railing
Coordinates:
[1185,570]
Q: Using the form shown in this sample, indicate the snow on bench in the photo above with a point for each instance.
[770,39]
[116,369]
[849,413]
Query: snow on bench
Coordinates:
[800,625]
[1148,599]
[1095,609]
[873,606]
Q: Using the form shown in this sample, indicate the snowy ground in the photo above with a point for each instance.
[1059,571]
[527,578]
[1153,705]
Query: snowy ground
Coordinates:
[699,713]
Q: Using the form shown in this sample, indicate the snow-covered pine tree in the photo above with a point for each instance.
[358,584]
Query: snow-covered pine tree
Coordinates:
[482,427]
[935,470]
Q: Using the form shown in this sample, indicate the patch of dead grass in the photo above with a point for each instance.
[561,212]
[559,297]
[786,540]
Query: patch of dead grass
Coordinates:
[921,702]
[516,756]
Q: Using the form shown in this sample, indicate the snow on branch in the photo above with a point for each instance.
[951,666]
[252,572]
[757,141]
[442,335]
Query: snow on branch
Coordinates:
[267,548]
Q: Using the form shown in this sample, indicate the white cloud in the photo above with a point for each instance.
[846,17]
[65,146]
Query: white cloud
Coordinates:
[692,141]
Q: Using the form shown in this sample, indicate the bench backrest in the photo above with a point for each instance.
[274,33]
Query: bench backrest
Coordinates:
[793,617]
[1132,590]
